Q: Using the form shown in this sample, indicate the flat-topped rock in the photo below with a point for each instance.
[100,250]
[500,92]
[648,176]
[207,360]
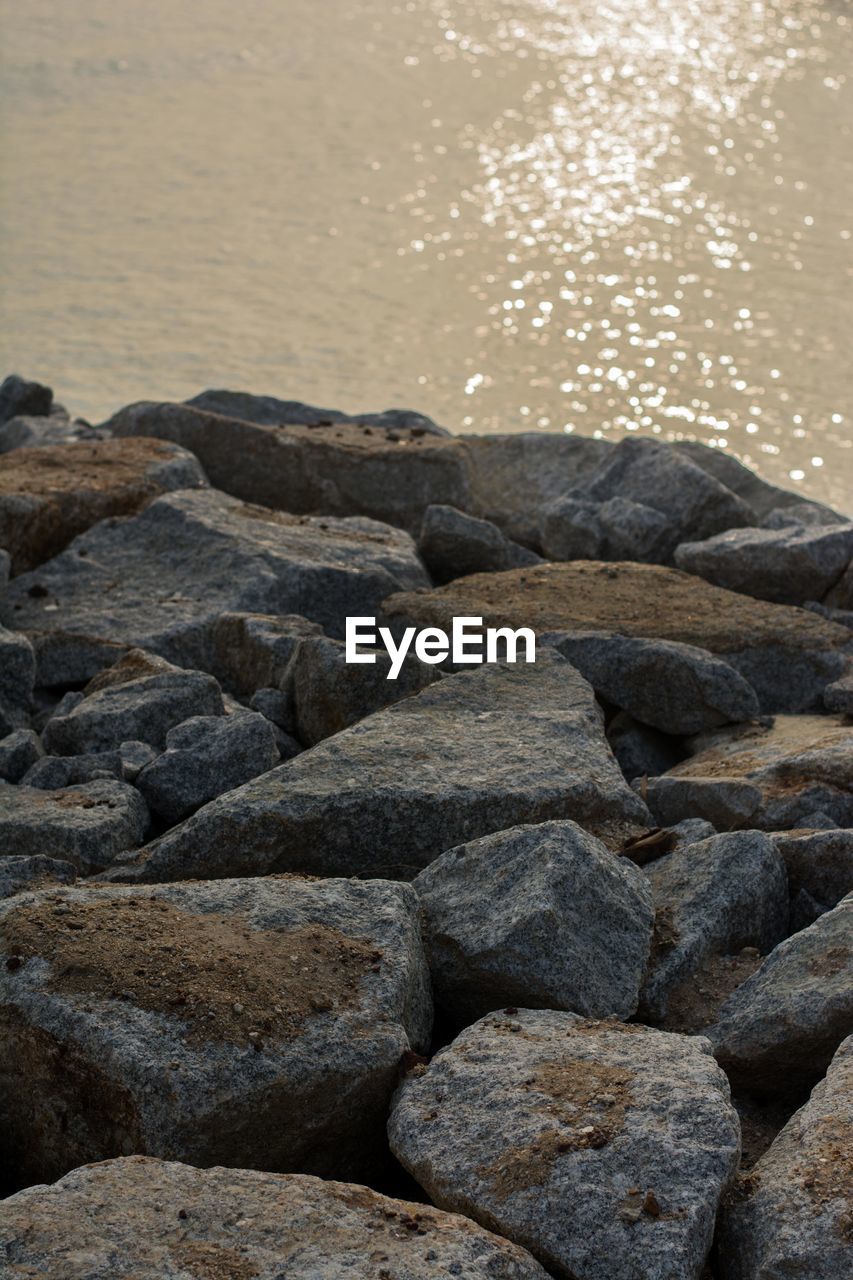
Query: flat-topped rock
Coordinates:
[50,494]
[476,752]
[789,565]
[86,825]
[603,1147]
[161,579]
[788,655]
[107,1222]
[253,1023]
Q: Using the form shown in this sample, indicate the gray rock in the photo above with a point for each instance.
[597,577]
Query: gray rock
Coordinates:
[820,871]
[29,432]
[252,651]
[474,753]
[538,916]
[840,597]
[17,679]
[18,751]
[452,544]
[247,1023]
[5,568]
[618,529]
[86,825]
[639,750]
[20,396]
[790,1215]
[711,898]
[278,706]
[65,658]
[602,1147]
[106,1222]
[761,497]
[268,411]
[789,565]
[843,617]
[140,697]
[838,697]
[803,515]
[673,687]
[204,757]
[134,756]
[19,875]
[777,1033]
[725,803]
[52,773]
[135,580]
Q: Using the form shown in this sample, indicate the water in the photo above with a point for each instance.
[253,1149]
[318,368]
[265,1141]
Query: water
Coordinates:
[565,215]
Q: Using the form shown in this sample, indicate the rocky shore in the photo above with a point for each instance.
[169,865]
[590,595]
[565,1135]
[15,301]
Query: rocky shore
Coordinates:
[507,972]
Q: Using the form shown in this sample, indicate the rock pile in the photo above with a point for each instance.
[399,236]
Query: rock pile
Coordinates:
[505,971]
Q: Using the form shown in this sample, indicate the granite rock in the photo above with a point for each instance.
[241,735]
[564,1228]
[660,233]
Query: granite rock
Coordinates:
[86,825]
[641,751]
[17,680]
[820,871]
[618,529]
[789,565]
[22,874]
[52,773]
[452,544]
[18,751]
[21,396]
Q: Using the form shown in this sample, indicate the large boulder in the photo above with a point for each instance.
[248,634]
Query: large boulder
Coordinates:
[789,565]
[21,396]
[777,1033]
[820,870]
[17,680]
[254,1023]
[538,916]
[602,1147]
[452,544]
[476,752]
[107,1222]
[162,578]
[791,1214]
[86,825]
[49,495]
[787,655]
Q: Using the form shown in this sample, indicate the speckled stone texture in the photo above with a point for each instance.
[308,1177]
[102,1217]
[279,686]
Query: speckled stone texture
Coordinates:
[87,825]
[789,565]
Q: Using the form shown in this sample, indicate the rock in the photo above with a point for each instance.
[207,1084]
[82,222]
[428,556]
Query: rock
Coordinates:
[140,697]
[20,396]
[330,694]
[602,1147]
[771,778]
[5,568]
[267,411]
[762,498]
[28,432]
[820,871]
[800,515]
[50,495]
[843,617]
[248,1023]
[134,756]
[838,696]
[52,773]
[106,1222]
[134,581]
[17,680]
[711,898]
[18,751]
[204,757]
[790,1216]
[840,597]
[253,651]
[86,825]
[538,916]
[279,707]
[18,875]
[639,750]
[787,655]
[777,1033]
[578,529]
[452,543]
[789,565]
[476,752]
[65,658]
[673,687]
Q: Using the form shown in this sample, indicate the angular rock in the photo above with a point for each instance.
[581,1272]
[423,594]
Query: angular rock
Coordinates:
[134,756]
[250,1023]
[618,529]
[799,515]
[160,579]
[640,750]
[140,697]
[5,568]
[789,565]
[50,495]
[673,687]
[28,432]
[279,707]
[538,916]
[106,1222]
[252,651]
[268,411]
[452,544]
[820,871]
[86,825]
[838,697]
[20,396]
[790,1215]
[64,658]
[777,1033]
[761,497]
[19,875]
[602,1147]
[17,679]
[474,753]
[840,597]
[52,773]
[787,655]
[204,757]
[711,898]
[18,751]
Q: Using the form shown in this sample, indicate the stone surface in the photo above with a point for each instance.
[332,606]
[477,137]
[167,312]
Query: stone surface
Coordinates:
[673,687]
[820,871]
[140,697]
[51,773]
[838,696]
[106,1222]
[789,565]
[18,751]
[476,752]
[712,897]
[452,544]
[21,396]
[640,750]
[48,495]
[790,1215]
[19,875]
[248,1023]
[269,411]
[252,651]
[162,578]
[65,658]
[27,431]
[538,916]
[618,529]
[777,1033]
[786,654]
[86,825]
[772,778]
[204,757]
[763,498]
[602,1147]
[17,679]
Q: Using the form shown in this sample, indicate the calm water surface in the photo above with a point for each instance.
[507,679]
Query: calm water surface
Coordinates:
[568,215]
